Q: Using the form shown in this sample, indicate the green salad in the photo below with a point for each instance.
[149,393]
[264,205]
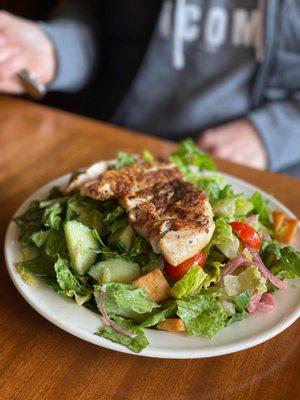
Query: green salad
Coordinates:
[87,251]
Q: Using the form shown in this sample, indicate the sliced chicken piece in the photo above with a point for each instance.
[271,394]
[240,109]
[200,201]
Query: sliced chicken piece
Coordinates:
[129,180]
[173,215]
[178,220]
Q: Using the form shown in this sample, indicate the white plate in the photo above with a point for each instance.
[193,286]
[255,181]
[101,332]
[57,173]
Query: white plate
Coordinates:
[80,322]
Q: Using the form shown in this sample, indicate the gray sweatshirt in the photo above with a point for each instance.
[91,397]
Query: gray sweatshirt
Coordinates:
[207,62]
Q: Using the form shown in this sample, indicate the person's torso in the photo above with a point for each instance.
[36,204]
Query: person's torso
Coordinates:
[197,73]
[197,70]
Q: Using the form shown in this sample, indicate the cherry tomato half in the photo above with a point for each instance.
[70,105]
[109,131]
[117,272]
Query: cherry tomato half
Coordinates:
[248,235]
[176,273]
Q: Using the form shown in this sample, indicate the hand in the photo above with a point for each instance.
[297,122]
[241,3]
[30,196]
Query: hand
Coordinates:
[23,45]
[236,141]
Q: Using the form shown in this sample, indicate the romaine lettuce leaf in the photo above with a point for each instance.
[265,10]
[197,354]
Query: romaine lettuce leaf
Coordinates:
[52,215]
[242,300]
[29,222]
[56,245]
[232,208]
[124,159]
[65,278]
[79,298]
[250,278]
[202,315]
[126,300]
[148,156]
[159,316]
[42,265]
[283,262]
[191,160]
[91,218]
[211,188]
[25,275]
[213,269]
[39,238]
[260,207]
[112,216]
[190,284]
[136,344]
[239,316]
[224,239]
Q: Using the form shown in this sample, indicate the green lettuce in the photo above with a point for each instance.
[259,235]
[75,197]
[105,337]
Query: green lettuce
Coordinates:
[283,262]
[159,316]
[190,283]
[29,222]
[124,159]
[242,300]
[250,278]
[233,207]
[239,316]
[211,188]
[39,238]
[113,216]
[224,239]
[55,244]
[52,215]
[92,218]
[191,160]
[202,315]
[126,300]
[261,207]
[148,156]
[42,265]
[136,344]
[213,269]
[66,279]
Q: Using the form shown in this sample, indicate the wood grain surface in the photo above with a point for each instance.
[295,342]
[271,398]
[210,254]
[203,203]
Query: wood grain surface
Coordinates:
[40,361]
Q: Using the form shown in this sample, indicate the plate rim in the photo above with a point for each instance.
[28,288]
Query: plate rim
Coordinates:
[153,352]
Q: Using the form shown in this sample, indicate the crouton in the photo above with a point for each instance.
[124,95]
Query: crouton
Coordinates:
[287,230]
[172,325]
[155,284]
[278,218]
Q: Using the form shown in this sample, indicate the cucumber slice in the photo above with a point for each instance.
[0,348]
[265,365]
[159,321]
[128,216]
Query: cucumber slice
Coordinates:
[122,239]
[80,243]
[96,270]
[115,269]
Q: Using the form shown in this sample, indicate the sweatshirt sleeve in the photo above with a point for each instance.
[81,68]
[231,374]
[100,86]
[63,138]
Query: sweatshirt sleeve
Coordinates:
[278,123]
[74,32]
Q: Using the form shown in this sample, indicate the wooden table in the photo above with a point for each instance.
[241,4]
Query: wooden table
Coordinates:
[40,361]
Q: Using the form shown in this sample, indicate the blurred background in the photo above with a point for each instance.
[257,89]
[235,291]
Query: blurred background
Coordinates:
[210,103]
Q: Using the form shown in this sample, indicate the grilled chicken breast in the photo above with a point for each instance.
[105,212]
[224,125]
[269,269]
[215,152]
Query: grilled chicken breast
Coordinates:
[172,214]
[176,218]
[129,180]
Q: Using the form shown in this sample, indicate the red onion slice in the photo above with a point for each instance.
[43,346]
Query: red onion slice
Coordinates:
[233,264]
[267,303]
[255,299]
[257,261]
[252,219]
[106,318]
[266,236]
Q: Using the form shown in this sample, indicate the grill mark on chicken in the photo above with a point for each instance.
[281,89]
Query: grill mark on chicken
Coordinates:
[179,203]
